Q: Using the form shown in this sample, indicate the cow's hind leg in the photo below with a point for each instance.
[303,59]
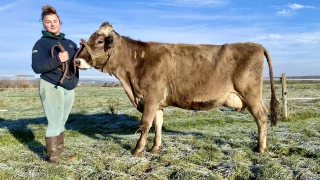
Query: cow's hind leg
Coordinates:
[260,112]
[148,115]
[158,121]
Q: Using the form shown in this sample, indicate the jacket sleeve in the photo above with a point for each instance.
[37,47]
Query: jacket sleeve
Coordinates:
[41,62]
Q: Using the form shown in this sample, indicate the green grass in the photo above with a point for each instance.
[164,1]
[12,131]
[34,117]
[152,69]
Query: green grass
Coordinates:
[215,144]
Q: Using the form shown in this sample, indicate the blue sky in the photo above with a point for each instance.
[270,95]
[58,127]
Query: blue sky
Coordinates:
[290,30]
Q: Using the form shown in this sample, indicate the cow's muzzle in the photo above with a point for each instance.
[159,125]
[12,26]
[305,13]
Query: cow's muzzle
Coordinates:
[78,62]
[82,64]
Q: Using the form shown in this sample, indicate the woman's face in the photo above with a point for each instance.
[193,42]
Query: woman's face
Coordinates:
[52,24]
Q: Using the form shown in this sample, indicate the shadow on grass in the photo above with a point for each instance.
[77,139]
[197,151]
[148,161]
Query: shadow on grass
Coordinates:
[20,130]
[96,126]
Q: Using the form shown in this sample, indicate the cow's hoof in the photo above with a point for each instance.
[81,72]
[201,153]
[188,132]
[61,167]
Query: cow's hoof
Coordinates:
[260,149]
[137,152]
[155,150]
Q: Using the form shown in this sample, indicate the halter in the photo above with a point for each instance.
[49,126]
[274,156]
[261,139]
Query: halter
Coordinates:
[96,56]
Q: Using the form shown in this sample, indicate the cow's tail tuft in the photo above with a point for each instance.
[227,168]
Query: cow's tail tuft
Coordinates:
[274,102]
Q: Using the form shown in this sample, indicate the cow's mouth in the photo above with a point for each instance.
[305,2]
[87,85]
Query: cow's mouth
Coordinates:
[82,64]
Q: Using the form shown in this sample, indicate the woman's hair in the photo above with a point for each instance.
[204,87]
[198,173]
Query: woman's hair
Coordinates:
[48,10]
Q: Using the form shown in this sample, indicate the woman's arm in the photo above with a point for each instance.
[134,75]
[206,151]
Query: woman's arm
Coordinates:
[41,62]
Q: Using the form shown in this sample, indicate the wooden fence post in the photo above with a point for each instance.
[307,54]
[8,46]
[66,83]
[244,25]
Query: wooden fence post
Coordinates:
[284,95]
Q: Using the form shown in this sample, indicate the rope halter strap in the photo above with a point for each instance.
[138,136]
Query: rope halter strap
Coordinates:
[94,56]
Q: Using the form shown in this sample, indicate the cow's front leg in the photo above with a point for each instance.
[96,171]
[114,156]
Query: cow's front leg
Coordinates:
[148,115]
[158,121]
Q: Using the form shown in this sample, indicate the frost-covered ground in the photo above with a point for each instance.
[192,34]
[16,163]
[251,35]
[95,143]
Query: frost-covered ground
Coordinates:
[216,144]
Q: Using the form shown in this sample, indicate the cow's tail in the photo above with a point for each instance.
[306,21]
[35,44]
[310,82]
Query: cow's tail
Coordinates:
[273,103]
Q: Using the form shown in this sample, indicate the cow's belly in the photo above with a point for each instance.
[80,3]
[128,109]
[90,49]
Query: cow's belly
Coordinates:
[198,104]
[203,105]
[231,99]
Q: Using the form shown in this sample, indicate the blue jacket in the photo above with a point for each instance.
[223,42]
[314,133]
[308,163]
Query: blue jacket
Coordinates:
[46,65]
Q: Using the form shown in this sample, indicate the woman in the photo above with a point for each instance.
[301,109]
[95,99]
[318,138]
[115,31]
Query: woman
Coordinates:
[58,79]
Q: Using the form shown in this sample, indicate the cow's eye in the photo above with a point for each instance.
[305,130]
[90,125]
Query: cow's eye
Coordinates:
[100,42]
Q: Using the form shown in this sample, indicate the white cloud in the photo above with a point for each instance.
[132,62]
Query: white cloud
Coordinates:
[292,8]
[2,8]
[296,6]
[285,12]
[310,38]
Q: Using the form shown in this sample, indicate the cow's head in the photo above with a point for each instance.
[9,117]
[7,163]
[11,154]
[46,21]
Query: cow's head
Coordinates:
[97,51]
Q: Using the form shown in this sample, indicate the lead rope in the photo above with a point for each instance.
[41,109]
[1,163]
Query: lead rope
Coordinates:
[65,64]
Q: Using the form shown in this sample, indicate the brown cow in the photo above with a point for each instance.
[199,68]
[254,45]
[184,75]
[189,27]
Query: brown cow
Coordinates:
[198,77]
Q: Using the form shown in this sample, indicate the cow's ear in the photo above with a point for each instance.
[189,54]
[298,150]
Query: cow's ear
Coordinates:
[108,42]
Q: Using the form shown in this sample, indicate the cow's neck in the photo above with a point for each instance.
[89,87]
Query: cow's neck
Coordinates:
[125,59]
[127,54]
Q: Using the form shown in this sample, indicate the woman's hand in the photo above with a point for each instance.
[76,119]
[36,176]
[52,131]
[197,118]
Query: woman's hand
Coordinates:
[63,56]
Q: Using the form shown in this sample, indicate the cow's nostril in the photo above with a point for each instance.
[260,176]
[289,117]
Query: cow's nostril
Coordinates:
[78,62]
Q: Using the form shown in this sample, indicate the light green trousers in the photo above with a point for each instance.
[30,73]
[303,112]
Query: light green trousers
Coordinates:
[57,104]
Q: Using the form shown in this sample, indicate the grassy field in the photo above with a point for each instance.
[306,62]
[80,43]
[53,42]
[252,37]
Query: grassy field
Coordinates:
[102,132]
